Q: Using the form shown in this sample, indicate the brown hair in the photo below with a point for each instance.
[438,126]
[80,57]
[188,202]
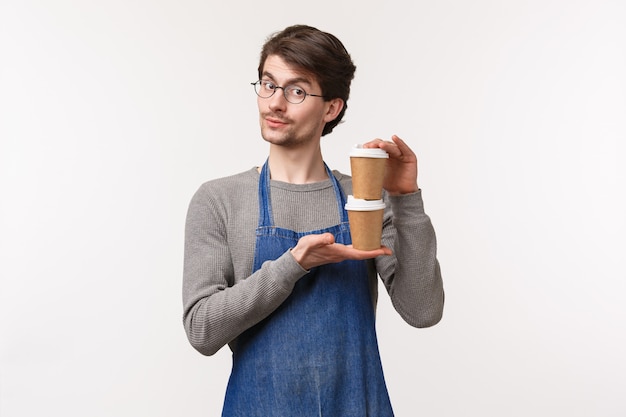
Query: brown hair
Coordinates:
[319,54]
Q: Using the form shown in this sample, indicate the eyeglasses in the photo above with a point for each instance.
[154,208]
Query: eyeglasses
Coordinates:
[292,93]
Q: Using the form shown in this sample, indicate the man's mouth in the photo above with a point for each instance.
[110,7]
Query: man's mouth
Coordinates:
[275,121]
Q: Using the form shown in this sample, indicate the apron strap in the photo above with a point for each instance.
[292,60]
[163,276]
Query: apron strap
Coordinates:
[266,217]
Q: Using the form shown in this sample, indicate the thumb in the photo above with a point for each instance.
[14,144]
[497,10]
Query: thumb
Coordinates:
[327,239]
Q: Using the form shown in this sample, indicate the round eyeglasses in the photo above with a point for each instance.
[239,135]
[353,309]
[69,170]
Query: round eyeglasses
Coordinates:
[293,93]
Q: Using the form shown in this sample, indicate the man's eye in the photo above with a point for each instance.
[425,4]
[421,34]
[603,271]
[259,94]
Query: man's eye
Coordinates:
[296,91]
[268,85]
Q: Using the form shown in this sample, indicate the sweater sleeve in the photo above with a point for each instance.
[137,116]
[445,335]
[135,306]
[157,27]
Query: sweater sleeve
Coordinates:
[412,276]
[218,305]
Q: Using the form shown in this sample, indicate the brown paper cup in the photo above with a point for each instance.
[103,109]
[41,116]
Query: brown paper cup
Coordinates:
[368,172]
[366,222]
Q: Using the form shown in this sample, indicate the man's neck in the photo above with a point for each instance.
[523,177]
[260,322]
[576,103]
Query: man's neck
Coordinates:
[296,166]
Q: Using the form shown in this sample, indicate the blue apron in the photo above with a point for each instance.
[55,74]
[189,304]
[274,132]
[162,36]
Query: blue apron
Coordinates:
[316,354]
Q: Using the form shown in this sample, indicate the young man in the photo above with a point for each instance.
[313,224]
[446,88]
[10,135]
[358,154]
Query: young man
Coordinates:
[269,269]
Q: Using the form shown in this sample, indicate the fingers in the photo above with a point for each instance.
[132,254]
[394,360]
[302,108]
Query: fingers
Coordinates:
[360,254]
[404,149]
[396,148]
[375,143]
[342,252]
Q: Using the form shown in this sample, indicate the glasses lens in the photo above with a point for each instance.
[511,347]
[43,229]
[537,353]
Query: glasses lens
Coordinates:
[264,89]
[294,94]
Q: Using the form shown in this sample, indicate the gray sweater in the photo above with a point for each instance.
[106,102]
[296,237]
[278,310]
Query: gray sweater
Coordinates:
[219,299]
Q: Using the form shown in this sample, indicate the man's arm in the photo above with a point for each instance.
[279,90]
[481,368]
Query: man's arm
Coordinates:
[218,304]
[412,276]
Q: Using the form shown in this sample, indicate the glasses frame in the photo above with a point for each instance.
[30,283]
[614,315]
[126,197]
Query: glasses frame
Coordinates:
[276,87]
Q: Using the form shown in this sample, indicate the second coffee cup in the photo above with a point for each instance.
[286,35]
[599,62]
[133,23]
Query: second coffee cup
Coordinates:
[366,222]
[368,172]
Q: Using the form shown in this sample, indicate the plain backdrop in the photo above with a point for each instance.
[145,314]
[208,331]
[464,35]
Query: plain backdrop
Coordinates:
[112,113]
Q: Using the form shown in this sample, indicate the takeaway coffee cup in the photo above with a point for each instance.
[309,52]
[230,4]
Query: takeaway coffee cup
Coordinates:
[366,222]
[368,172]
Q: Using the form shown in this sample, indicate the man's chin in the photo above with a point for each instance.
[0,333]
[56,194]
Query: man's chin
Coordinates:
[275,137]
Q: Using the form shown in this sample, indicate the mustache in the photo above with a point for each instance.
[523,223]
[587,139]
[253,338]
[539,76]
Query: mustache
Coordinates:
[274,116]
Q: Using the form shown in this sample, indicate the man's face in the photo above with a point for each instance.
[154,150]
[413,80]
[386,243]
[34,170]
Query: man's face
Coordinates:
[287,124]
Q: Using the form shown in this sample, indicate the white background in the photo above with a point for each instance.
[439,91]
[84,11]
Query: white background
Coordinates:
[112,113]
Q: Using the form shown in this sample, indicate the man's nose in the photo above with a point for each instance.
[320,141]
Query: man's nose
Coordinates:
[278,100]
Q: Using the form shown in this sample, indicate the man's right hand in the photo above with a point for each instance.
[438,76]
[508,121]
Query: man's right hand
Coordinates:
[315,250]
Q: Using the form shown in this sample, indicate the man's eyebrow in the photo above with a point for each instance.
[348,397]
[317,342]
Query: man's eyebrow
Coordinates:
[296,80]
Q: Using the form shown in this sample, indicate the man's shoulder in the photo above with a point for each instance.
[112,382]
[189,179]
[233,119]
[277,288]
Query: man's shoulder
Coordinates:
[232,183]
[344,180]
[232,186]
[341,176]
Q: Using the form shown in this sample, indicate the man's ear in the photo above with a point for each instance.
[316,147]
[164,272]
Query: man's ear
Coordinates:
[334,108]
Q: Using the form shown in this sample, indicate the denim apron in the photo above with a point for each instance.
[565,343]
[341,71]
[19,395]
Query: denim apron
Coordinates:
[316,354]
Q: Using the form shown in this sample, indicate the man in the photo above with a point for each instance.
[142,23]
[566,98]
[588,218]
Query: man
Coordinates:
[269,269]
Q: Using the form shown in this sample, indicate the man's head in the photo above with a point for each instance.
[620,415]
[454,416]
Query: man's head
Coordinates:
[318,53]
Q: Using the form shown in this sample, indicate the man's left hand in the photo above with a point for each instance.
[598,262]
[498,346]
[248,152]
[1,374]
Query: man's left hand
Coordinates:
[401,172]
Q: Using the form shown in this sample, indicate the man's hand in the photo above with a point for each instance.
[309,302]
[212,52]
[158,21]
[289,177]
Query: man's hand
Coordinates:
[316,250]
[401,173]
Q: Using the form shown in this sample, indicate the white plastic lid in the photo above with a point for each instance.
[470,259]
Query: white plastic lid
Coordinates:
[357,204]
[359,151]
